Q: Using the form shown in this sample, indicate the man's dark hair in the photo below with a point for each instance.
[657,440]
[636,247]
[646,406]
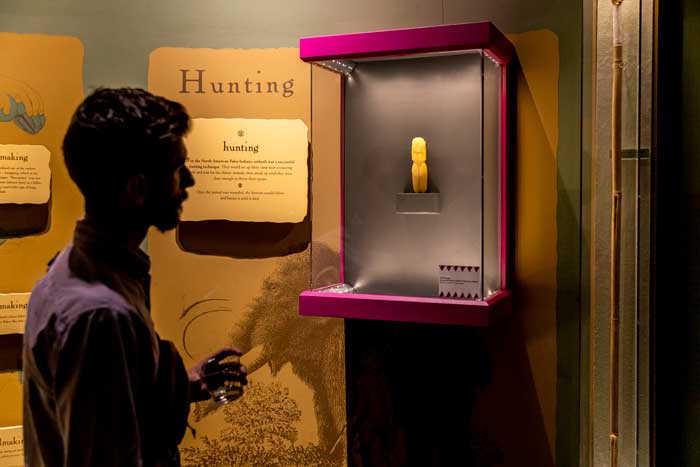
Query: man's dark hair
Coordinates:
[118,133]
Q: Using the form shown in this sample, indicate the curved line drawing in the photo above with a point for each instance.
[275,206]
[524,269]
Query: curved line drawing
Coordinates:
[22,104]
[191,321]
[189,308]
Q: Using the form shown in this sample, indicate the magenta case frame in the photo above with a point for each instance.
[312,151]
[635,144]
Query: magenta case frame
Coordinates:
[425,40]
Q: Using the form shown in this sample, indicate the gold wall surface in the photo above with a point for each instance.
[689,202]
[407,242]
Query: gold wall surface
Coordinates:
[52,66]
[536,255]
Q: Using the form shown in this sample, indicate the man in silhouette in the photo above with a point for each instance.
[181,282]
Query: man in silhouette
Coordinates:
[101,388]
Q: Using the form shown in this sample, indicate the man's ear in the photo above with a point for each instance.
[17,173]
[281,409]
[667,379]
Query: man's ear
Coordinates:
[136,190]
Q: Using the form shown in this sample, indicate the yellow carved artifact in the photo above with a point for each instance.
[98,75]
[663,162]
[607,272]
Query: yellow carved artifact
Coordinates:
[419,171]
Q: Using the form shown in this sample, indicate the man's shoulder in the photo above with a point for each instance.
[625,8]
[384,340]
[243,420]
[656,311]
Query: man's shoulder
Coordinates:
[62,298]
[60,285]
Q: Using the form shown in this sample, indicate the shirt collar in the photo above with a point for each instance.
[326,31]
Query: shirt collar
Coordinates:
[102,247]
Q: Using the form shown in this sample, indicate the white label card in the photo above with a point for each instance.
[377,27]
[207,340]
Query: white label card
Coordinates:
[461,282]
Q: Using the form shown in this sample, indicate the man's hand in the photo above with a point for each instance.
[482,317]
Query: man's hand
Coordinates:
[210,370]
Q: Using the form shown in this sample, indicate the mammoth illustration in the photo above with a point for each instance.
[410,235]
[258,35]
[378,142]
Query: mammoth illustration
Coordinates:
[314,347]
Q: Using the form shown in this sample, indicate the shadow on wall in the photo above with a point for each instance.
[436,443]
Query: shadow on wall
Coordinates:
[507,424]
[517,411]
[411,390]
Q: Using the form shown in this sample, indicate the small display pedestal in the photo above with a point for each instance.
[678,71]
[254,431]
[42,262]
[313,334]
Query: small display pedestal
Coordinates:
[418,203]
[438,256]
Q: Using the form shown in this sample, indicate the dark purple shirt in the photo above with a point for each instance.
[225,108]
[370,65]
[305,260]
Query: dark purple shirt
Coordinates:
[100,387]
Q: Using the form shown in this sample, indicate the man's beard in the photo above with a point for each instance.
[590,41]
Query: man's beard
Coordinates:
[166,215]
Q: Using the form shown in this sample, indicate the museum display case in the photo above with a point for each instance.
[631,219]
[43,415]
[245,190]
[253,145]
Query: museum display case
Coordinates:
[424,174]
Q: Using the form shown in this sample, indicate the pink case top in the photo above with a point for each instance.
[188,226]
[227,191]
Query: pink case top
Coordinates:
[430,39]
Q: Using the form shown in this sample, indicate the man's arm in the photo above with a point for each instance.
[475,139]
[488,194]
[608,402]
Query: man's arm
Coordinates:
[101,378]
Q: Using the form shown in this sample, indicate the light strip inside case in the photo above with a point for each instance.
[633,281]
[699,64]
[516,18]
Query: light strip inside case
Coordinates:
[345,67]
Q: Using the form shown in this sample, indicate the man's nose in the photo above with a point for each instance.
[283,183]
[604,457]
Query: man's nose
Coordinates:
[187,178]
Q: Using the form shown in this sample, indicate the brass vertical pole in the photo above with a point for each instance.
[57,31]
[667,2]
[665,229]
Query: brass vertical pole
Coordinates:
[616,218]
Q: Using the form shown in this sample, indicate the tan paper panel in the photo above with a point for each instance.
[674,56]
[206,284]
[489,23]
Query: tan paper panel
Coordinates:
[202,302]
[246,83]
[248,170]
[237,83]
[25,176]
[11,446]
[13,312]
